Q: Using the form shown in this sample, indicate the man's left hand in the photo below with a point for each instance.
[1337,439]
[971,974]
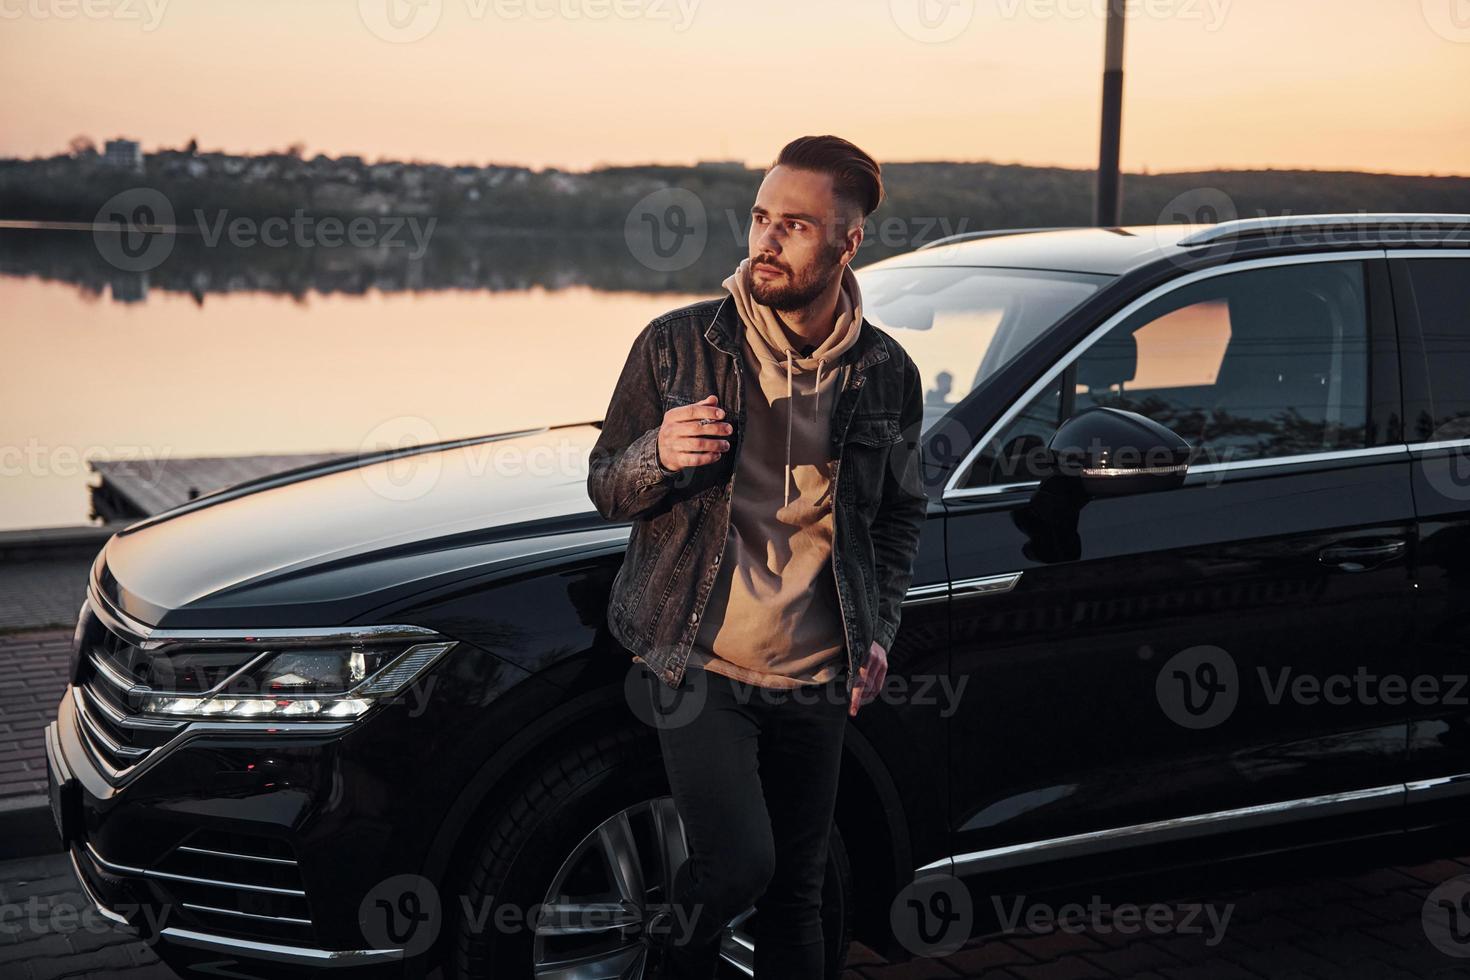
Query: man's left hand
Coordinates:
[870,679]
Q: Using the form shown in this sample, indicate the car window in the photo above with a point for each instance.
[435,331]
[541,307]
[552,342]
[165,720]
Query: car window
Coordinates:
[1441,297]
[961,325]
[1247,365]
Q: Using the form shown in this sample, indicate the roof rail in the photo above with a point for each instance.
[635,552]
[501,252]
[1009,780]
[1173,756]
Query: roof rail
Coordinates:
[970,236]
[1287,223]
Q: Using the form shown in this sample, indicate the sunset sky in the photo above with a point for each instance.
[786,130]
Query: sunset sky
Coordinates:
[1375,85]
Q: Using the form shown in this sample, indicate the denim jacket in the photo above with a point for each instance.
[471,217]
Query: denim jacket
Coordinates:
[680,520]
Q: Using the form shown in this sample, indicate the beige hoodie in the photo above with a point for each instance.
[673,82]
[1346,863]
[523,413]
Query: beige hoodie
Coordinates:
[772,617]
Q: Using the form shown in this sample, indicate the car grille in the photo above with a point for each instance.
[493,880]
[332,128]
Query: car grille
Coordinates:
[226,883]
[240,884]
[118,737]
[114,675]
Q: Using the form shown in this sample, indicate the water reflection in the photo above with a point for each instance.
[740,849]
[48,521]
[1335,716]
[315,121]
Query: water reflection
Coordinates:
[235,352]
[496,262]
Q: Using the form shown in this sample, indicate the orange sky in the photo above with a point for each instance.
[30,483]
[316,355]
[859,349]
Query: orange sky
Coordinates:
[1373,85]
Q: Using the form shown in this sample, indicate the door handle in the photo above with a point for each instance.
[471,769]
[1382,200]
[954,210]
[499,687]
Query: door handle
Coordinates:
[1359,558]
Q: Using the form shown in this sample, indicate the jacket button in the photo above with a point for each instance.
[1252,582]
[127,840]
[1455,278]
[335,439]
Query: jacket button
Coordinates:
[717,560]
[694,617]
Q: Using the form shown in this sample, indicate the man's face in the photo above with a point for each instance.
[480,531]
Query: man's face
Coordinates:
[801,237]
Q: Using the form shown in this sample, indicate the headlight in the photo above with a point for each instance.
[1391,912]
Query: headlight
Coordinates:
[336,681]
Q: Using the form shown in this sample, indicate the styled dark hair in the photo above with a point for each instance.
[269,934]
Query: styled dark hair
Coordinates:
[856,177]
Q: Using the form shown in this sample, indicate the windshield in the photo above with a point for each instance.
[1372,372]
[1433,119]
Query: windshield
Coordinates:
[962,324]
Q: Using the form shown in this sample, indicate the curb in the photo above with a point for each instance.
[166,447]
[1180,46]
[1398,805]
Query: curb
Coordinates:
[26,828]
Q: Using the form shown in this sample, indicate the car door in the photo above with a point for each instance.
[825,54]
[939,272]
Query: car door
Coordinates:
[1432,292]
[1160,665]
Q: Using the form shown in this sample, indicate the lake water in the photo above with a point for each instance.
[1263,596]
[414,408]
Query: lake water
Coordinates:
[100,365]
[220,351]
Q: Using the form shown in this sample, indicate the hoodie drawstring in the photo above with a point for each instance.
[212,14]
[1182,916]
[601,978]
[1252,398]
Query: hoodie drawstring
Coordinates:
[787,474]
[816,410]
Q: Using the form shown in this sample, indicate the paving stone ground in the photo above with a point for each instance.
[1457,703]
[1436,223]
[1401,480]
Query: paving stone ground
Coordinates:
[33,667]
[42,592]
[1363,925]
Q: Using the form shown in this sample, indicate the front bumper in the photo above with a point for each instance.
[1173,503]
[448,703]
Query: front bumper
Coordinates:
[209,849]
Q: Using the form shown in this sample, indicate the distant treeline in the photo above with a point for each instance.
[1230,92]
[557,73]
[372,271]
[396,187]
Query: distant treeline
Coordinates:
[925,200]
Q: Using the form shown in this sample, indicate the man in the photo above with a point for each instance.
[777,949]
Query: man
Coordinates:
[765,448]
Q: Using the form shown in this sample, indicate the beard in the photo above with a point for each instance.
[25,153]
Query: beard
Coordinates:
[796,292]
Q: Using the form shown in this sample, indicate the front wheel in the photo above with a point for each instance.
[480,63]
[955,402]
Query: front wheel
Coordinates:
[561,882]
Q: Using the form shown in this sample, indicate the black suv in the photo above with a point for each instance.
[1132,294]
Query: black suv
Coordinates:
[1195,572]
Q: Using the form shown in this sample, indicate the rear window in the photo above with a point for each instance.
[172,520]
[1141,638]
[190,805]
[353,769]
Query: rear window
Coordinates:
[1441,297]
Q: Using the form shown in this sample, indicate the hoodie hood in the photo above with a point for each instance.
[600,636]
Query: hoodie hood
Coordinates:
[771,342]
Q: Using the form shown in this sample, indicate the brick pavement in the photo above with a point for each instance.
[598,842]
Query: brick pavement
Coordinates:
[41,592]
[1363,924]
[1319,927]
[33,665]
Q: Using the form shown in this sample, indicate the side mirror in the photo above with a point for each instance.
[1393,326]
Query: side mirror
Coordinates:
[1114,452]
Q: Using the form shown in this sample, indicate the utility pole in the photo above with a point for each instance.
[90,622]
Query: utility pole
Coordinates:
[1108,206]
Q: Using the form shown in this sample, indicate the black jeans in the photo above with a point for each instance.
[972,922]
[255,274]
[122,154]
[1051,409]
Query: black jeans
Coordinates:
[754,775]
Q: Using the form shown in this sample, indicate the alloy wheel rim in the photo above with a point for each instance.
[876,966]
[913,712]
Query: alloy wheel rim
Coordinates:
[591,925]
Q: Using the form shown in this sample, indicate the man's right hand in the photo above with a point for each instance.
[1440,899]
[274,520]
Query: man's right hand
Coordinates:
[685,441]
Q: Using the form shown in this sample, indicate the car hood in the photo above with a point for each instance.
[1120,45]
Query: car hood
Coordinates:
[326,545]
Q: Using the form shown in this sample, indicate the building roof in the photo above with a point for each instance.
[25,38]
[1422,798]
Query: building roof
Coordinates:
[136,488]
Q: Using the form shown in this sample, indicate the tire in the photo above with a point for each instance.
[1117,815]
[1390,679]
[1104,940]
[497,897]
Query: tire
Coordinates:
[576,802]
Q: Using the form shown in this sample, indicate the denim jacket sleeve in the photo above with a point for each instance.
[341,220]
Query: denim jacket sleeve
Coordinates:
[624,477]
[900,518]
